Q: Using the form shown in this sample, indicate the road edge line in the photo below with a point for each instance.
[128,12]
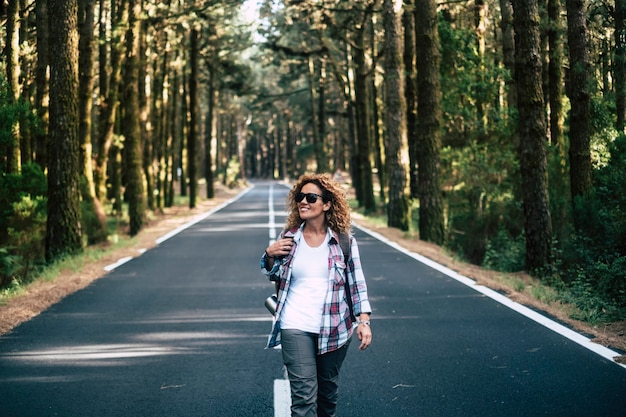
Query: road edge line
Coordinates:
[545,321]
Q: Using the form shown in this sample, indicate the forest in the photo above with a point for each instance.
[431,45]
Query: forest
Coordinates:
[494,129]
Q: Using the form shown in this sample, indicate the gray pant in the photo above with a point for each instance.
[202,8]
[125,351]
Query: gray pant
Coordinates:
[312,377]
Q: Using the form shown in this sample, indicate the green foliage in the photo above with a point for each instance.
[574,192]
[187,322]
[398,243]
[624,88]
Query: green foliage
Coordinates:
[22,223]
[93,219]
[13,187]
[505,253]
[481,197]
[589,270]
[472,87]
[10,114]
[27,235]
[233,172]
[9,265]
[480,173]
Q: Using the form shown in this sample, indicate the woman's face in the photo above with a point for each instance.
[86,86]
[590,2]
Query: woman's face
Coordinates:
[311,210]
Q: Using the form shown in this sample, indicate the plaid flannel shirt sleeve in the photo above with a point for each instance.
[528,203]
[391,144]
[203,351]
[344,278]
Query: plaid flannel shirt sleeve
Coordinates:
[271,273]
[360,300]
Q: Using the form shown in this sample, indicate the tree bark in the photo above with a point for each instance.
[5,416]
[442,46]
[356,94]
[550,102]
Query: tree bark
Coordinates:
[96,229]
[193,118]
[110,94]
[532,134]
[555,74]
[132,130]
[431,220]
[210,125]
[398,210]
[63,224]
[12,154]
[408,23]
[579,95]
[619,67]
[508,52]
[365,193]
[41,81]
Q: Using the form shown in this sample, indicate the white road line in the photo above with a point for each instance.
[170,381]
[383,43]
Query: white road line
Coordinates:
[271,223]
[121,261]
[282,392]
[525,311]
[282,398]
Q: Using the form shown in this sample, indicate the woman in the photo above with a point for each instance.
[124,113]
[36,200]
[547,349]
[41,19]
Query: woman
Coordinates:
[314,321]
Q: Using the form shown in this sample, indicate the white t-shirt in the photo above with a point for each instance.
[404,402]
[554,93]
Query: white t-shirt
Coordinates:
[308,288]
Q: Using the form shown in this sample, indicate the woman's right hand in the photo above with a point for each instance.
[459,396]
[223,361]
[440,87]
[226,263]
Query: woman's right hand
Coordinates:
[279,248]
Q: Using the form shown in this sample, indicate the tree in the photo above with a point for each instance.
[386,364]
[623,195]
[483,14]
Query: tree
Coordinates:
[41,80]
[363,164]
[619,65]
[431,223]
[63,234]
[555,73]
[109,88]
[532,134]
[209,130]
[192,139]
[398,210]
[410,33]
[94,218]
[11,156]
[132,130]
[579,94]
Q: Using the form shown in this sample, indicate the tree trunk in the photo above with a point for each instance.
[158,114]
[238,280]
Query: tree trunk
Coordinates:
[208,139]
[132,129]
[41,80]
[364,165]
[95,229]
[408,23]
[149,128]
[480,15]
[398,213]
[110,95]
[555,74]
[431,219]
[12,48]
[85,87]
[320,147]
[63,224]
[182,130]
[173,133]
[579,95]
[508,52]
[619,67]
[532,134]
[26,86]
[375,119]
[193,118]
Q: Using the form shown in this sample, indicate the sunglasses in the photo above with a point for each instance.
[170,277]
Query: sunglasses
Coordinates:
[311,198]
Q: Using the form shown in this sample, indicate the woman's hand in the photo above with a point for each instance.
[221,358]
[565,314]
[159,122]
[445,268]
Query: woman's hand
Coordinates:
[364,331]
[280,248]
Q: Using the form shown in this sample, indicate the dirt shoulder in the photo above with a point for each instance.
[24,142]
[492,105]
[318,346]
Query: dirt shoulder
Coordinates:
[40,295]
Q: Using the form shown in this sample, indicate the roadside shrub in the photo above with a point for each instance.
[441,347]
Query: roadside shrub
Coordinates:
[27,235]
[505,253]
[22,223]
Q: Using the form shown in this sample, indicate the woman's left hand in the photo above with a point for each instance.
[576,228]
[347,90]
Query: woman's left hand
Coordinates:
[364,333]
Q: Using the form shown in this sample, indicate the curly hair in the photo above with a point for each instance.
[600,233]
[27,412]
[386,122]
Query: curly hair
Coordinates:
[337,217]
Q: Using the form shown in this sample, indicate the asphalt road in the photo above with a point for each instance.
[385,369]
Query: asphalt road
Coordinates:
[181,330]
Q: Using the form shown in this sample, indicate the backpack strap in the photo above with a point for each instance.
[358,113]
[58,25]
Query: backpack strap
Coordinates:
[344,242]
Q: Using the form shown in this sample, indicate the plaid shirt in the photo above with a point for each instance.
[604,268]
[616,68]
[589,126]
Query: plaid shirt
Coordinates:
[337,325]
